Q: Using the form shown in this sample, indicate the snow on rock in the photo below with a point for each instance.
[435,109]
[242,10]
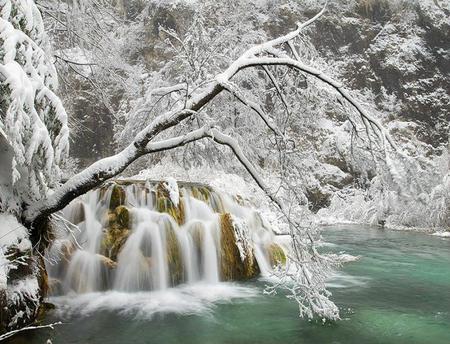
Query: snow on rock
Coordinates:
[222,182]
[172,188]
[21,293]
[12,234]
[346,258]
[243,237]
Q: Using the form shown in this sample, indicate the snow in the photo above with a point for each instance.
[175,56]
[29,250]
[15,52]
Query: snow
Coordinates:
[346,258]
[242,234]
[225,183]
[442,234]
[19,294]
[27,287]
[13,233]
[34,122]
[172,188]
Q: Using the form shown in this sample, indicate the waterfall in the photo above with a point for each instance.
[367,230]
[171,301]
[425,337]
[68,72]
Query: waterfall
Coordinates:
[134,236]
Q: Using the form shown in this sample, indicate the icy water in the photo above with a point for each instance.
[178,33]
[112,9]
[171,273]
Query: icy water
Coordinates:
[398,292]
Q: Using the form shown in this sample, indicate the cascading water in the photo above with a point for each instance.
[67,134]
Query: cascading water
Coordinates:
[142,236]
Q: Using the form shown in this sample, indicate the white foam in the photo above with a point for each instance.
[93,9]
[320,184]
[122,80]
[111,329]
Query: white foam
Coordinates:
[343,280]
[197,298]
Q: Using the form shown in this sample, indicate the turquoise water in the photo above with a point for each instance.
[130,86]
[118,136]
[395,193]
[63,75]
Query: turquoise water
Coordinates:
[398,292]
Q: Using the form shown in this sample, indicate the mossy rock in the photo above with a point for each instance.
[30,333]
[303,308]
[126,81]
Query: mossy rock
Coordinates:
[44,308]
[161,190]
[116,231]
[201,193]
[108,219]
[276,255]
[215,202]
[205,194]
[113,241]
[165,205]
[123,217]
[174,257]
[232,266]
[117,197]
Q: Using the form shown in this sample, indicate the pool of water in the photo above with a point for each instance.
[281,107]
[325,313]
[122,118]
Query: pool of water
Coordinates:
[397,292]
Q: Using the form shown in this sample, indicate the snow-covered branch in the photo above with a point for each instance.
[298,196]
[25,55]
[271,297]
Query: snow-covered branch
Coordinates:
[109,167]
[288,62]
[28,328]
[261,55]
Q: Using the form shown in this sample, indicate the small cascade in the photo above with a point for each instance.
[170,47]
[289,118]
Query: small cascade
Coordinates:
[84,269]
[142,236]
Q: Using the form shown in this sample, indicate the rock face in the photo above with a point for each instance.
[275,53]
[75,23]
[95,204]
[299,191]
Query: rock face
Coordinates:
[397,49]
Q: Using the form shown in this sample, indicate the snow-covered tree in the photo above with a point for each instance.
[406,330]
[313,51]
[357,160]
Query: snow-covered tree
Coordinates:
[33,144]
[33,126]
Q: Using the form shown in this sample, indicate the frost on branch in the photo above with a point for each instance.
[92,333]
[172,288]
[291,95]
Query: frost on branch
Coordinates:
[33,122]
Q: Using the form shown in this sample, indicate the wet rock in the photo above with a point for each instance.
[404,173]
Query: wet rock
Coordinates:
[117,197]
[174,257]
[106,262]
[276,255]
[113,241]
[55,286]
[44,308]
[123,217]
[232,265]
[164,204]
